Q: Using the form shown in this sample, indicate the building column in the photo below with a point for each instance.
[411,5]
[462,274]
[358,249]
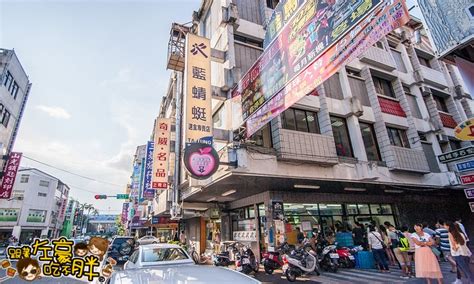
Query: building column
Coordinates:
[16,232]
[325,126]
[379,126]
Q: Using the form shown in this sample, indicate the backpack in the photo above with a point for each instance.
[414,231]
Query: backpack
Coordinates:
[403,243]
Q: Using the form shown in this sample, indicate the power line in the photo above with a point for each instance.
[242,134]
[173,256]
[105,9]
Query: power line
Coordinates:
[69,172]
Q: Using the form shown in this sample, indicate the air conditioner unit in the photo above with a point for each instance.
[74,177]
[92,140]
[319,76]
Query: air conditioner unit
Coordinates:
[442,138]
[452,178]
[230,14]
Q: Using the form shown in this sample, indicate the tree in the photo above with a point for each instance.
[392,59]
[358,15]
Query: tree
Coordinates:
[119,225]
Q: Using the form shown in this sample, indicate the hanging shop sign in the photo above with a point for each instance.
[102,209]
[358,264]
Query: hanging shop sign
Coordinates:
[465,166]
[200,160]
[245,236]
[148,191]
[198,114]
[455,155]
[469,193]
[465,130]
[161,153]
[277,208]
[124,217]
[9,175]
[467,179]
[316,52]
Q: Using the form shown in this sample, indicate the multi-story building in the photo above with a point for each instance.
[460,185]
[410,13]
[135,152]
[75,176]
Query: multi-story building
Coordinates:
[363,147]
[14,90]
[68,224]
[37,207]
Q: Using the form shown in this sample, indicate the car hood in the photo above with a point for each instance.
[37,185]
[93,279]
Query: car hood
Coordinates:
[183,274]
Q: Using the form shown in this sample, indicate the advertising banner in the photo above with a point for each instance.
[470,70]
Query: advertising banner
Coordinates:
[282,13]
[314,28]
[125,212]
[9,175]
[198,111]
[467,179]
[148,191]
[465,166]
[135,181]
[465,130]
[161,153]
[200,160]
[383,19]
[455,155]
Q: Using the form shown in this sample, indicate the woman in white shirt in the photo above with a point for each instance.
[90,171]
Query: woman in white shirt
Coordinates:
[426,263]
[376,246]
[459,250]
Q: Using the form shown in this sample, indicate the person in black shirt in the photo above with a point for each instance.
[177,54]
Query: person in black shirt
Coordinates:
[358,234]
[299,235]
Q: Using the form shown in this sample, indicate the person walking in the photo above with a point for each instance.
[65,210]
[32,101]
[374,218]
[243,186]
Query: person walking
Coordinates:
[442,238]
[460,251]
[398,240]
[463,230]
[388,245]
[426,264]
[410,252]
[377,246]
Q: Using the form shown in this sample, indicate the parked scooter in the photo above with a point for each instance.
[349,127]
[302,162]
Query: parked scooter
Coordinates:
[245,261]
[328,256]
[299,262]
[227,254]
[346,259]
[274,260]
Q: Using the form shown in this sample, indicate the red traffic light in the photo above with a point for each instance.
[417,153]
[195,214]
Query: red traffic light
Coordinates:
[98,196]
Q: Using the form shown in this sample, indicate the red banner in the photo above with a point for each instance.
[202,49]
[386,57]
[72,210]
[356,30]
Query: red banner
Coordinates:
[9,175]
[467,179]
[378,23]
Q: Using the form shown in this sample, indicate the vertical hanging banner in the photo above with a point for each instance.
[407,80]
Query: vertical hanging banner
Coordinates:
[148,191]
[9,175]
[198,112]
[161,153]
[125,212]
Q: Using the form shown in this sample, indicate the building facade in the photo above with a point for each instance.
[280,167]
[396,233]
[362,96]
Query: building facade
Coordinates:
[68,224]
[14,90]
[37,207]
[361,147]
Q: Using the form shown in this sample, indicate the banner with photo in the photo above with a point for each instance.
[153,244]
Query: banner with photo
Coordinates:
[384,19]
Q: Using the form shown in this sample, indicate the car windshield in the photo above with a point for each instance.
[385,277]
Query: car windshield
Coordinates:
[163,254]
[119,241]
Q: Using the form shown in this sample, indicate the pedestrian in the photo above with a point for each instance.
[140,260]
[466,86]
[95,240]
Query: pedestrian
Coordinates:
[458,221]
[376,245]
[426,264]
[432,233]
[442,238]
[299,236]
[410,251]
[460,251]
[399,241]
[182,238]
[388,244]
[358,234]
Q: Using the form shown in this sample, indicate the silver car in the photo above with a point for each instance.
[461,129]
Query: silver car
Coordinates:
[181,274]
[146,240]
[157,255]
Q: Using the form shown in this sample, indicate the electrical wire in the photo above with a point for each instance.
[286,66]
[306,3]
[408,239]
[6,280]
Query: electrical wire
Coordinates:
[72,173]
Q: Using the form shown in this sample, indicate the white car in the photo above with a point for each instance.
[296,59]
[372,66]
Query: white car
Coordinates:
[181,274]
[146,240]
[157,255]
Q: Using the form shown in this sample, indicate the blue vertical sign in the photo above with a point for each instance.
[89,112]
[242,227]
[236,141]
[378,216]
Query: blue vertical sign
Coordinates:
[148,192]
[465,166]
[141,186]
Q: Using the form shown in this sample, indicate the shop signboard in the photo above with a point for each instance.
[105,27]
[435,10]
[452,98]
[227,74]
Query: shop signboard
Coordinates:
[245,236]
[469,193]
[277,208]
[161,153]
[455,155]
[465,130]
[9,175]
[266,94]
[197,103]
[467,179]
[200,160]
[148,192]
[9,214]
[125,212]
[465,166]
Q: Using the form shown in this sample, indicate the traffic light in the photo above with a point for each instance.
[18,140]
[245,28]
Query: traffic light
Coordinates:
[98,196]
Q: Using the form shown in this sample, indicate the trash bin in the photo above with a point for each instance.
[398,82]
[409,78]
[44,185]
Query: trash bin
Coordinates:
[365,260]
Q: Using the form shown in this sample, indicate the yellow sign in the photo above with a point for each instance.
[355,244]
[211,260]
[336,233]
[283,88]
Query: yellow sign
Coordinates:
[465,130]
[198,114]
[161,153]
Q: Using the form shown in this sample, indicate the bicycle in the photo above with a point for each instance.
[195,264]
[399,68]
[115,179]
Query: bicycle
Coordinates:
[198,259]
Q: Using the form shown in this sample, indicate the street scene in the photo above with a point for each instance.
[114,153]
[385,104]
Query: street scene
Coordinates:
[236,141]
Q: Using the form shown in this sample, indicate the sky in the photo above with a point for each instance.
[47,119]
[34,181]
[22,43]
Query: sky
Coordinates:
[98,70]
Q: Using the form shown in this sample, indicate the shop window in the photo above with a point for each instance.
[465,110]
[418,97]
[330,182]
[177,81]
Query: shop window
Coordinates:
[375,209]
[300,209]
[251,212]
[341,137]
[398,137]
[352,209]
[370,142]
[363,209]
[441,104]
[383,87]
[330,209]
[300,120]
[386,209]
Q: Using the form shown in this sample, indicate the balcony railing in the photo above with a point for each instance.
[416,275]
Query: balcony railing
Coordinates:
[380,58]
[433,77]
[411,160]
[309,147]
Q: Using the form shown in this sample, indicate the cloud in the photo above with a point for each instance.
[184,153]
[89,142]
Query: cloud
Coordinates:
[56,112]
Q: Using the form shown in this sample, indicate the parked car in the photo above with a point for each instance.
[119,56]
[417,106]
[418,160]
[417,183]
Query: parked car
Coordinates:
[157,255]
[121,248]
[179,274]
[3,250]
[146,240]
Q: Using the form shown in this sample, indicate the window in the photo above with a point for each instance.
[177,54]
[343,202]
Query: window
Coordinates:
[263,137]
[379,44]
[24,178]
[397,56]
[398,137]
[8,80]
[455,144]
[11,85]
[441,104]
[341,137]
[249,41]
[44,183]
[14,90]
[424,61]
[272,3]
[370,141]
[300,120]
[42,194]
[358,88]
[383,87]
[415,110]
[333,88]
[218,118]
[4,116]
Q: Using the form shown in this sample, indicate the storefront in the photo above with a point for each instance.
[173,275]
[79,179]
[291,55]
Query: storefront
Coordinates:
[162,227]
